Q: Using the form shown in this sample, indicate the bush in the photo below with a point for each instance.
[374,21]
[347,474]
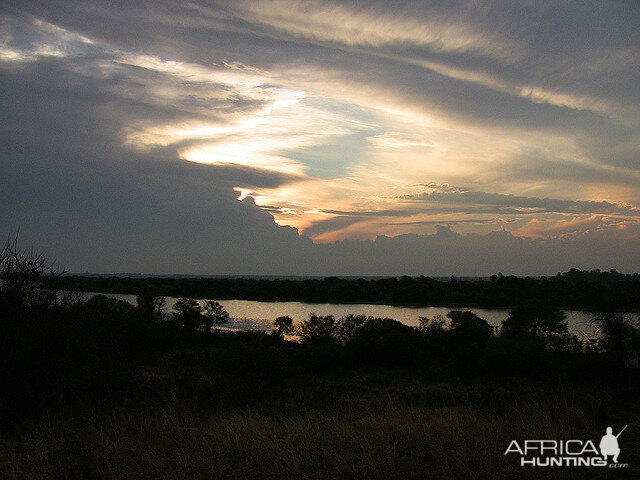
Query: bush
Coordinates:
[284,326]
[619,337]
[151,308]
[388,342]
[319,330]
[468,326]
[349,327]
[535,321]
[66,355]
[23,276]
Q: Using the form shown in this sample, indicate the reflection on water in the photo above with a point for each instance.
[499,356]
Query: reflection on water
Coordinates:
[252,315]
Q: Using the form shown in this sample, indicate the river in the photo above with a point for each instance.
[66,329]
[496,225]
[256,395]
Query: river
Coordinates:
[253,315]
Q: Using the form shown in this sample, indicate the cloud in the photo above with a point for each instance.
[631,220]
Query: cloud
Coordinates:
[330,225]
[70,183]
[439,223]
[444,204]
[520,204]
[446,253]
[132,128]
[369,26]
[578,227]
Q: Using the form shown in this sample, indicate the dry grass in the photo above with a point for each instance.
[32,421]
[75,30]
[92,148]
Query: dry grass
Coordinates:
[398,440]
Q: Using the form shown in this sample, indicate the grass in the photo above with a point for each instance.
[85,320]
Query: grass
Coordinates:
[372,429]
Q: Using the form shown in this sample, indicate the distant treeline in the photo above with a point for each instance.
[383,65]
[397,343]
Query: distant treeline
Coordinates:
[573,289]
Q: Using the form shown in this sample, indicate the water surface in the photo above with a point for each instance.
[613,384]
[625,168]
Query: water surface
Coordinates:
[254,315]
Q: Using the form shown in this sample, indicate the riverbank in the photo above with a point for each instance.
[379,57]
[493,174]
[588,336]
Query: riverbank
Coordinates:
[574,290]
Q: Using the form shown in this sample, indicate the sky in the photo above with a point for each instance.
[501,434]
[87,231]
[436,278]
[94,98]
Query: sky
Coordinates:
[317,137]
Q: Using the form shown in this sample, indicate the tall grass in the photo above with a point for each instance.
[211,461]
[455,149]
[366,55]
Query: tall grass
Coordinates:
[440,431]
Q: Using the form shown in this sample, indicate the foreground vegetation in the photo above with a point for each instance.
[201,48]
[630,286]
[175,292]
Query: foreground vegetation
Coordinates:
[105,389]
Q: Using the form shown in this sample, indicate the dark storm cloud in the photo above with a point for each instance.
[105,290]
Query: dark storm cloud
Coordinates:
[61,115]
[447,252]
[70,185]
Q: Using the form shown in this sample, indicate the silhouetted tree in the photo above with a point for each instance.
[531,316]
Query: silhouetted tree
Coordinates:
[349,326]
[619,336]
[188,312]
[318,329]
[432,325]
[469,325]
[386,341]
[284,326]
[150,307]
[214,314]
[27,279]
[535,321]
[108,305]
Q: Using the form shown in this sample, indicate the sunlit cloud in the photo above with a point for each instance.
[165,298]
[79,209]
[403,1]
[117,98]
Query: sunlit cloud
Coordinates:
[576,227]
[382,121]
[362,26]
[44,40]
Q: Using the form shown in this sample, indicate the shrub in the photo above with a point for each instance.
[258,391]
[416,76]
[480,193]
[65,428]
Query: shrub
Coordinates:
[188,312]
[284,326]
[349,327]
[151,308]
[469,326]
[619,337]
[319,330]
[387,341]
[535,321]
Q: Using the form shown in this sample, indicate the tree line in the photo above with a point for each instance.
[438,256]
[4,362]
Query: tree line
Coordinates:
[576,289]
